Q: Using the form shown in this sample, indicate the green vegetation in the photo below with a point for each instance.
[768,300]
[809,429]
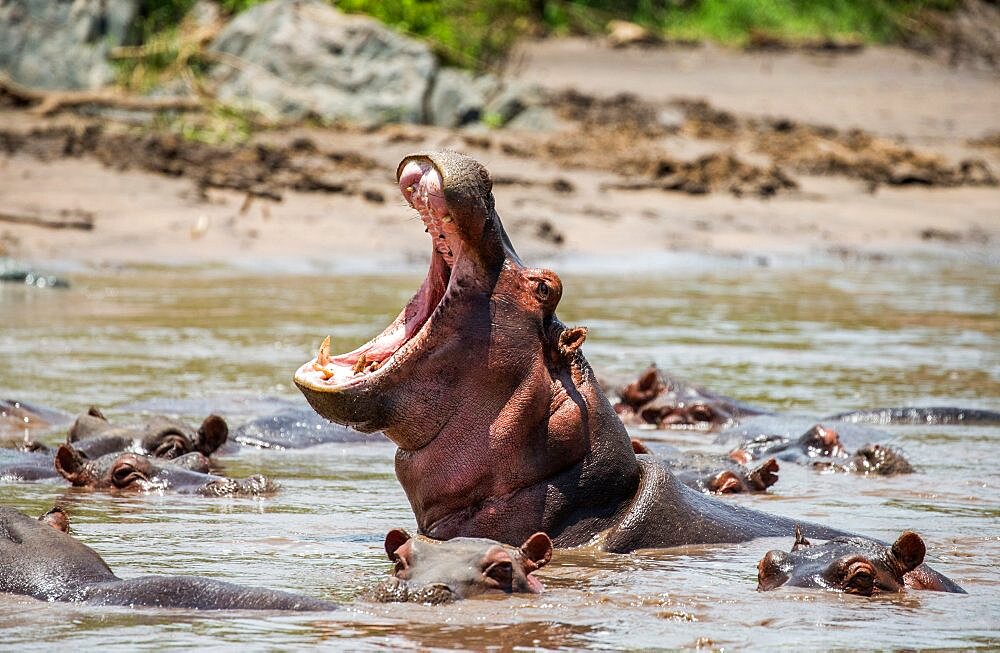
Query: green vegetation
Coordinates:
[479,34]
[468,33]
[221,125]
[738,21]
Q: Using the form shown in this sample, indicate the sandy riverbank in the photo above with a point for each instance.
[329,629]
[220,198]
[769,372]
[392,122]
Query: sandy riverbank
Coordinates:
[628,177]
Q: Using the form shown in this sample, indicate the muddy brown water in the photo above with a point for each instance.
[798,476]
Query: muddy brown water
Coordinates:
[818,339]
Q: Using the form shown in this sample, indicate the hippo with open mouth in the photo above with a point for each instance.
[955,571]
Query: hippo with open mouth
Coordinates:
[501,426]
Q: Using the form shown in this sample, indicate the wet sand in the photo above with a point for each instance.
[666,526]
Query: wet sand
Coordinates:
[587,192]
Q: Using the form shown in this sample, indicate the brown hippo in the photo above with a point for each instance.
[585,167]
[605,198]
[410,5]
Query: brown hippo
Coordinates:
[666,402]
[711,474]
[846,564]
[432,571]
[159,436]
[131,472]
[501,426]
[663,401]
[19,420]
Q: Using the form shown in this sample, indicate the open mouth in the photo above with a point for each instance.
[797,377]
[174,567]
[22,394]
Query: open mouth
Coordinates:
[422,187]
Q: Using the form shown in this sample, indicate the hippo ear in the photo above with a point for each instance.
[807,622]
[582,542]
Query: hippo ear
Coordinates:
[538,549]
[725,482]
[649,379]
[638,446]
[909,550]
[394,539]
[800,541]
[57,519]
[212,434]
[570,340]
[94,411]
[69,463]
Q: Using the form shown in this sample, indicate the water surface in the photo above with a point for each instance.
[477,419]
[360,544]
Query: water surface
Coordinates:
[817,340]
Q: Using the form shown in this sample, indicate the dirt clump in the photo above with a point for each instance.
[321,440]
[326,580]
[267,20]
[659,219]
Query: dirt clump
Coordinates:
[857,154]
[257,169]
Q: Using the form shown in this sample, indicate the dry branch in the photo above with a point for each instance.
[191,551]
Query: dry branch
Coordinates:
[84,224]
[49,102]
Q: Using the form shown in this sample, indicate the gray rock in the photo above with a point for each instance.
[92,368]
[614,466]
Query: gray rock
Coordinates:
[294,58]
[56,44]
[511,100]
[536,119]
[458,97]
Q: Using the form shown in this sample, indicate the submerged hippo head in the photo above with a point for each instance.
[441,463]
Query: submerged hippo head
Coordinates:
[818,442]
[431,571]
[874,459]
[159,436]
[476,369]
[128,471]
[848,564]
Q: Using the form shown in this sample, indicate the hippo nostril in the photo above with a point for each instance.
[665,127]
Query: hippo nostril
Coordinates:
[435,594]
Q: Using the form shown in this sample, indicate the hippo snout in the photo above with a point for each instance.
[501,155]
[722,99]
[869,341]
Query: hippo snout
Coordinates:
[394,590]
[252,486]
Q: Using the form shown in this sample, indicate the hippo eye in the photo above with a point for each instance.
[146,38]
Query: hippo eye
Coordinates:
[399,567]
[701,413]
[860,579]
[502,572]
[124,475]
[542,290]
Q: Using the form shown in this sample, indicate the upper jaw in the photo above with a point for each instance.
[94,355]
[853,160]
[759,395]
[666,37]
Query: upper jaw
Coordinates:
[423,183]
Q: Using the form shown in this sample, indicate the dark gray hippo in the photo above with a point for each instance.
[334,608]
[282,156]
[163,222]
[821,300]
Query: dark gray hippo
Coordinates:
[39,559]
[432,571]
[294,428]
[852,565]
[159,436]
[821,448]
[18,465]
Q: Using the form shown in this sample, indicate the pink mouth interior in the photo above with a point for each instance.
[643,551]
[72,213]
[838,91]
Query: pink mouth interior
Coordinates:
[421,185]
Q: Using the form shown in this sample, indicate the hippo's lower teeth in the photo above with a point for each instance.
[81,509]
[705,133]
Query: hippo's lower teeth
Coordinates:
[360,365]
[323,357]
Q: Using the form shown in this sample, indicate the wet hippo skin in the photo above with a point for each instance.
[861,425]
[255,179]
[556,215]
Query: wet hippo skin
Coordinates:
[845,564]
[164,437]
[708,473]
[432,571]
[501,426]
[38,559]
[822,448]
[130,472]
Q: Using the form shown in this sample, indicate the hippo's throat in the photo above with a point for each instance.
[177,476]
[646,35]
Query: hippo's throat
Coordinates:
[360,388]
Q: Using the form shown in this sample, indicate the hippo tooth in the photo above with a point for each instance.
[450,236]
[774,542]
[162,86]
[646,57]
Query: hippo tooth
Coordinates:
[446,218]
[360,365]
[323,357]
